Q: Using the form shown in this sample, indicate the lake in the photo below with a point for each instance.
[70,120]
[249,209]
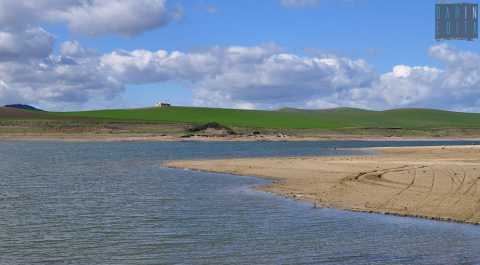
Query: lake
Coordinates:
[114,203]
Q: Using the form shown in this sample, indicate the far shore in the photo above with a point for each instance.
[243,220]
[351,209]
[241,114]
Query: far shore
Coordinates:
[214,138]
[440,183]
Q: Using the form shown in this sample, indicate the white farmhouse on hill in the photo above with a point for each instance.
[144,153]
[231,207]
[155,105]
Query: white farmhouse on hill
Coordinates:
[162,105]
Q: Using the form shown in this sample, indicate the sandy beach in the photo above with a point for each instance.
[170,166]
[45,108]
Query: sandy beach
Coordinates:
[441,183]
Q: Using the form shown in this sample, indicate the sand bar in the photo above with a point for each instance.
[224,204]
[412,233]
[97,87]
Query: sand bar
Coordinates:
[441,183]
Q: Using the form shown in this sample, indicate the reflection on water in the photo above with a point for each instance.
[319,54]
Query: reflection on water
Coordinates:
[113,203]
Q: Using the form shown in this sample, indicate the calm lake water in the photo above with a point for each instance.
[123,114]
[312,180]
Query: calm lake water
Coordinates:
[113,203]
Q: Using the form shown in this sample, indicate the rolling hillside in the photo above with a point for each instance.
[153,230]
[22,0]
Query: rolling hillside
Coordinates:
[177,121]
[340,118]
[8,113]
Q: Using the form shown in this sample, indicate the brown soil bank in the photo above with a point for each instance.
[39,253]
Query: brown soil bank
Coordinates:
[431,182]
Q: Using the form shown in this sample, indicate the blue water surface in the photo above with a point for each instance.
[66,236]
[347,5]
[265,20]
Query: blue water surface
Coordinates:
[114,203]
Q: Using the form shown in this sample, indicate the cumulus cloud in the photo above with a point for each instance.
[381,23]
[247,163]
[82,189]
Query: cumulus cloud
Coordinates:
[248,77]
[456,86]
[405,86]
[462,72]
[266,77]
[31,72]
[92,17]
[237,76]
[58,79]
[142,66]
[74,49]
[283,79]
[123,17]
[25,44]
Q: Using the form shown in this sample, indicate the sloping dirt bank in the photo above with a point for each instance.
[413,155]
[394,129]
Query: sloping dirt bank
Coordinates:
[440,183]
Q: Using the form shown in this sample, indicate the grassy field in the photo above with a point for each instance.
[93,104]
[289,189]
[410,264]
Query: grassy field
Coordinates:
[341,118]
[399,122]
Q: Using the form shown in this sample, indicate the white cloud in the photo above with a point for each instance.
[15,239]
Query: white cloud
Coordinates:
[142,66]
[456,86]
[266,77]
[462,73]
[282,79]
[242,77]
[31,73]
[248,77]
[92,17]
[25,44]
[123,17]
[407,86]
[56,79]
[74,49]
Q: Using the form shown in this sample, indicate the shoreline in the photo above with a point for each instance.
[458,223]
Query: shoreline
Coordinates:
[262,138]
[435,183]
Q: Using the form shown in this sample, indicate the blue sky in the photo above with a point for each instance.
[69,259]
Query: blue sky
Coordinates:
[386,32]
[383,34]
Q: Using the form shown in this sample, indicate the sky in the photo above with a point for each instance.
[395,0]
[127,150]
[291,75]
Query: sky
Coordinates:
[66,55]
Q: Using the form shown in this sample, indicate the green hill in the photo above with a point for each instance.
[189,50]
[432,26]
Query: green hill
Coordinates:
[176,121]
[340,118]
